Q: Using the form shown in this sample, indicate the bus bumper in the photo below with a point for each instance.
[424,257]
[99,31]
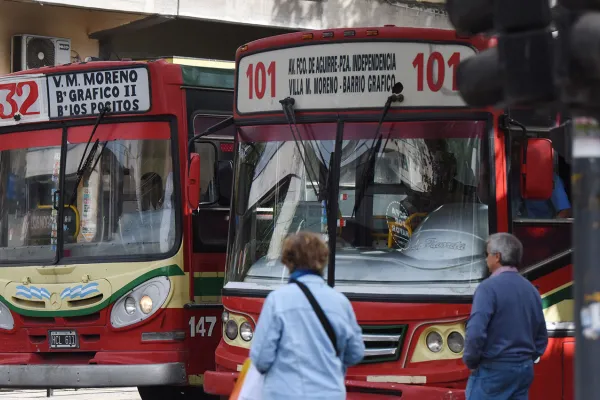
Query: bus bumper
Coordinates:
[90,376]
[222,383]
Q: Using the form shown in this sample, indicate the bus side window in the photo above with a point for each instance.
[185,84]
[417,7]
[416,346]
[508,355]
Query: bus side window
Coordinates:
[544,226]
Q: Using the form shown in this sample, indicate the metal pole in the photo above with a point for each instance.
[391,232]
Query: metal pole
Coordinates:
[586,242]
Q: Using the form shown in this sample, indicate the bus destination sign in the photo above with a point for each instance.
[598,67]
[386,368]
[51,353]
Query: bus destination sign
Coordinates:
[350,76]
[86,93]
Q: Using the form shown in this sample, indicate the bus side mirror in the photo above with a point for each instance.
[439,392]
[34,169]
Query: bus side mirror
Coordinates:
[537,169]
[193,181]
[225,179]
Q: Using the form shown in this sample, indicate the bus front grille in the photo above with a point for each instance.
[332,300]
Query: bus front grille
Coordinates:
[383,343]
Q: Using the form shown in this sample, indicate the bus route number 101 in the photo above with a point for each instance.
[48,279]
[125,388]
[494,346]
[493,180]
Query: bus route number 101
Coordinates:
[433,70]
[257,79]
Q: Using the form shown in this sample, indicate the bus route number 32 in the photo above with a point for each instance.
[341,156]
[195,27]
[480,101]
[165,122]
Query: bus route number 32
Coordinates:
[204,326]
[17,98]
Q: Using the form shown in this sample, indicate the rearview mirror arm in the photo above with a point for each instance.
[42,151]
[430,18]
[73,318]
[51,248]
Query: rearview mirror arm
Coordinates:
[217,127]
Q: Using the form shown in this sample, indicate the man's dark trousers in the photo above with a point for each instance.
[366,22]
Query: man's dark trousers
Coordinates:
[500,381]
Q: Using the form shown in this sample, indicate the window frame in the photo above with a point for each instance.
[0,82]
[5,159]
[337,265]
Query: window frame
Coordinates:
[557,259]
[488,147]
[64,126]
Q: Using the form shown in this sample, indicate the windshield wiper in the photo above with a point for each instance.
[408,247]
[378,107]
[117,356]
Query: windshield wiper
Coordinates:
[86,161]
[370,164]
[288,110]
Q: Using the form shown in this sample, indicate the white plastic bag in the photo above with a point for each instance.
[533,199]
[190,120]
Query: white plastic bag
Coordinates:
[249,385]
[253,385]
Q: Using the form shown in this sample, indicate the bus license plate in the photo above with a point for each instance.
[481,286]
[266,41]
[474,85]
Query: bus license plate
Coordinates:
[63,340]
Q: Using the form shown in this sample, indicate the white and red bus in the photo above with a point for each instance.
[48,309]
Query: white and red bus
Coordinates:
[360,135]
[107,276]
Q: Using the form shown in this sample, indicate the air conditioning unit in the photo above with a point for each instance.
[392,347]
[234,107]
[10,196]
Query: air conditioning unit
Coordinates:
[31,51]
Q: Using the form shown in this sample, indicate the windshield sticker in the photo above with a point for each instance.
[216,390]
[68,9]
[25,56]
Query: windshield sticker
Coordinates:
[396,216]
[351,75]
[42,223]
[433,243]
[86,231]
[54,219]
[87,93]
[87,204]
[56,168]
[53,230]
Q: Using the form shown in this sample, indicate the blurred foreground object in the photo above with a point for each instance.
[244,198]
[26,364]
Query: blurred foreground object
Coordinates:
[546,58]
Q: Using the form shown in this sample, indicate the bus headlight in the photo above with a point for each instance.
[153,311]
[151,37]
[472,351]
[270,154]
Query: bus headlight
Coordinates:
[231,329]
[440,342]
[246,331]
[141,302]
[129,305]
[435,342]
[146,304]
[456,342]
[238,329]
[6,319]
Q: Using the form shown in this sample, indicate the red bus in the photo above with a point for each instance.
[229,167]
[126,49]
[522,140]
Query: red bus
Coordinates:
[360,135]
[107,278]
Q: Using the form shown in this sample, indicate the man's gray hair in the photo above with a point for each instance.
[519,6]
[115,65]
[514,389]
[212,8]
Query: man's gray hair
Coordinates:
[508,247]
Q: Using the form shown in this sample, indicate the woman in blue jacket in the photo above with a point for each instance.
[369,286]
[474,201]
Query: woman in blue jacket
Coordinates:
[290,346]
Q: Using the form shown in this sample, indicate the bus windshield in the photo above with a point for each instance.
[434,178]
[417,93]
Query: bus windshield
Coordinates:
[122,206]
[413,206]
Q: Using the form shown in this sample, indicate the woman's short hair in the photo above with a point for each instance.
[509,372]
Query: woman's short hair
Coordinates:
[304,250]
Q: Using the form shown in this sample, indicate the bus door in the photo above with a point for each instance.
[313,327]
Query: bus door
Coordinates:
[211,220]
[210,224]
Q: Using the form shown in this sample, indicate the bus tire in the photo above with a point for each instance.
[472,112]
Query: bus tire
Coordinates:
[174,393]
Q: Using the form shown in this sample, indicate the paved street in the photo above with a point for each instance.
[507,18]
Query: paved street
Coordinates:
[70,394]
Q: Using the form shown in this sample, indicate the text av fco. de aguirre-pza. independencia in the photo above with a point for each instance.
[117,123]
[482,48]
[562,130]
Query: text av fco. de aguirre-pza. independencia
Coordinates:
[362,73]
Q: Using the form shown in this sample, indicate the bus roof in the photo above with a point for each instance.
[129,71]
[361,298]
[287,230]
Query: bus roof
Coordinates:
[360,34]
[203,72]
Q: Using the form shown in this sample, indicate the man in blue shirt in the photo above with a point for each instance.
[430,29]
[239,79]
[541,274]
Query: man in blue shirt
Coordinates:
[506,331]
[558,206]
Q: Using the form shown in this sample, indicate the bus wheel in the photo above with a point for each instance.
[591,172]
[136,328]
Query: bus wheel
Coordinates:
[174,393]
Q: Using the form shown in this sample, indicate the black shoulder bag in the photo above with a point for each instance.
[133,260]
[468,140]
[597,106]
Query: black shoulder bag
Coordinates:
[320,314]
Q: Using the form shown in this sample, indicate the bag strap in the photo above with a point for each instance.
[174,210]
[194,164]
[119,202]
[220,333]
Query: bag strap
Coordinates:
[320,314]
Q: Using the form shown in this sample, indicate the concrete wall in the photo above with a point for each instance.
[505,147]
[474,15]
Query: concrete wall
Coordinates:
[184,38]
[76,24]
[316,14]
[295,14]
